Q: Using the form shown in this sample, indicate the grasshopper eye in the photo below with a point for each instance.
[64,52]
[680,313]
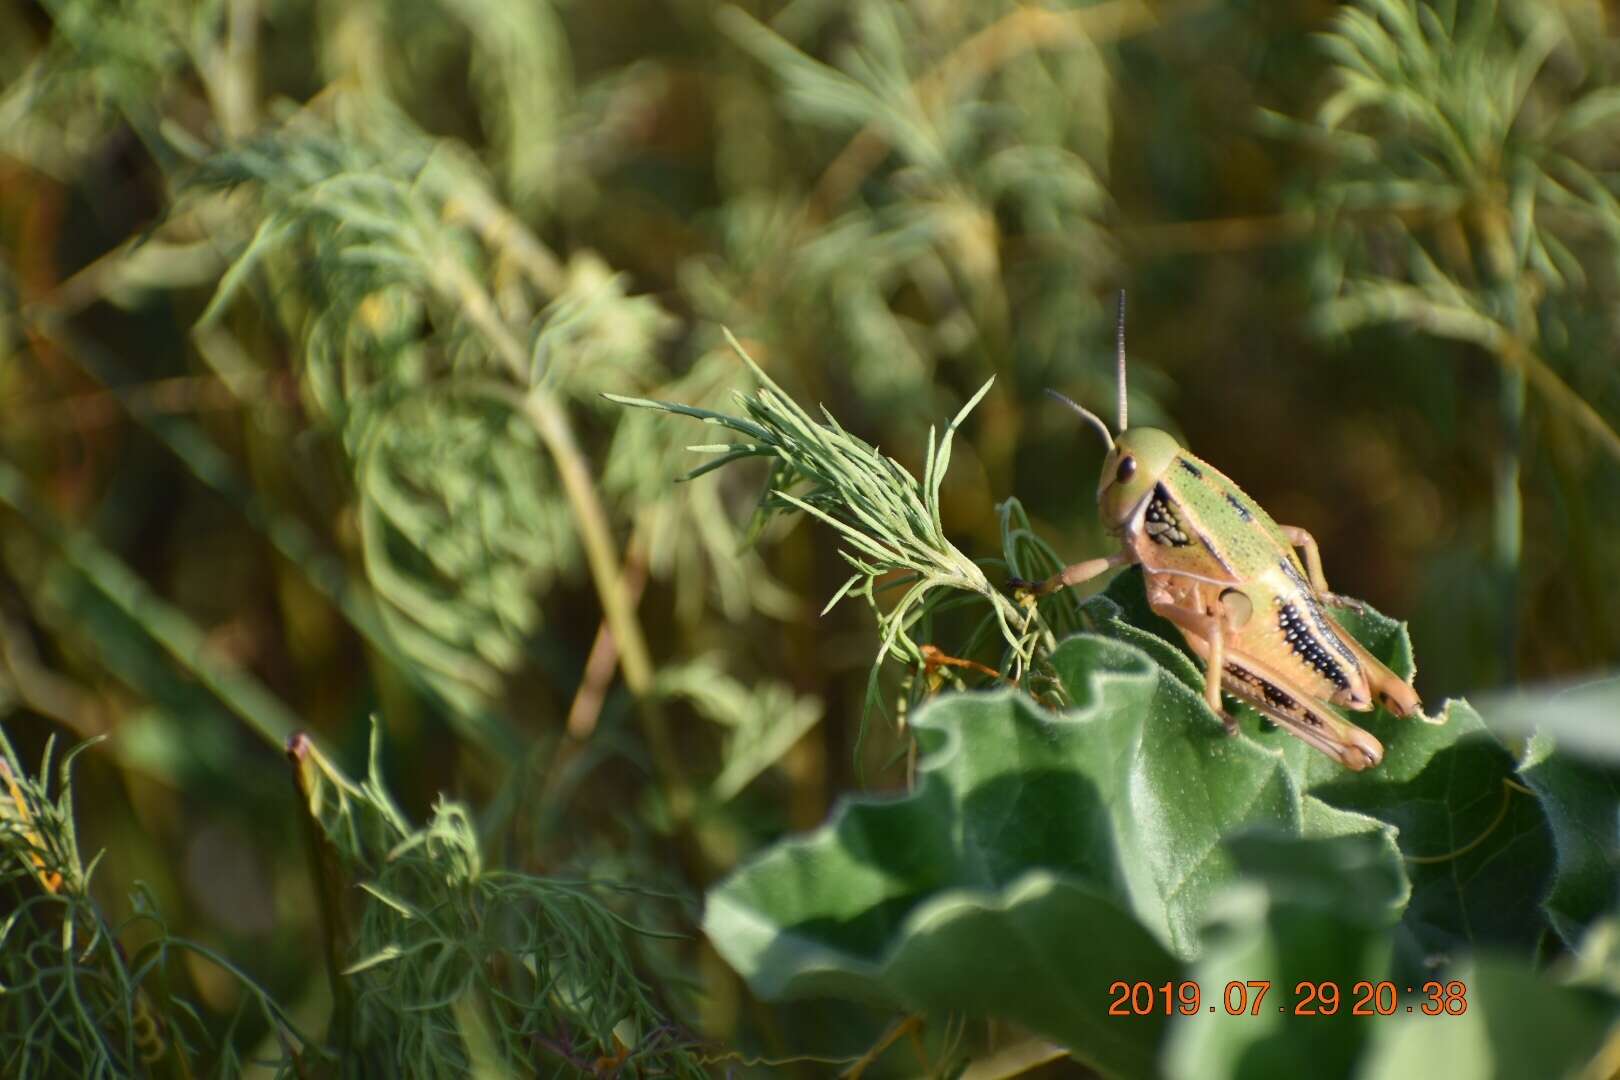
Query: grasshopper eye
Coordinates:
[1126,470]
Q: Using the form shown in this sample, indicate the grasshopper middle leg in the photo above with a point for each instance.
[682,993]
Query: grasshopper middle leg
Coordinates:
[1208,626]
[1306,543]
[1389,689]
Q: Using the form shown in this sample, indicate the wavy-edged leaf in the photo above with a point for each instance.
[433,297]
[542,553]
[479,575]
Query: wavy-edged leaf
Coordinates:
[1517,1023]
[1476,843]
[1582,802]
[1130,814]
[969,893]
[1307,910]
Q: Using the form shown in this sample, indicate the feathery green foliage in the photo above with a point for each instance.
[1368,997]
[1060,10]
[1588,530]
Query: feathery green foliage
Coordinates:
[889,520]
[1472,197]
[421,370]
[450,959]
[81,995]
[1485,157]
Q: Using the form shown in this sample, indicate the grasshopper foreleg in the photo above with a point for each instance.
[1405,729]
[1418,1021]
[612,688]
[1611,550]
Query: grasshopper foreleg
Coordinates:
[1074,574]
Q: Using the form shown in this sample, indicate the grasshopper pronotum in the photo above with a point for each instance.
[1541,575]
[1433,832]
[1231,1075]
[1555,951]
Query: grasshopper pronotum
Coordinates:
[1232,581]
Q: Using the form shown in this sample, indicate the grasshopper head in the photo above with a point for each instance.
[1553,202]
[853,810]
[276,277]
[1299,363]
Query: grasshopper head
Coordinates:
[1136,463]
[1137,458]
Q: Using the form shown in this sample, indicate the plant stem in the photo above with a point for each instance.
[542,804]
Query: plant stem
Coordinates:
[229,73]
[601,553]
[1507,503]
[1558,392]
[550,422]
[604,655]
[1507,517]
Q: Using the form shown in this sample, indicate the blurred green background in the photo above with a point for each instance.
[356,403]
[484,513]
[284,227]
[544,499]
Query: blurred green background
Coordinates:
[306,308]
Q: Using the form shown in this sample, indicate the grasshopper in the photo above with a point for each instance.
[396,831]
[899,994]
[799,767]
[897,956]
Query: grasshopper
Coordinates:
[1231,579]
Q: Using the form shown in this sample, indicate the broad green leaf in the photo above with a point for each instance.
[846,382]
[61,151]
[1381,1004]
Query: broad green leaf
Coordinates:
[1477,848]
[1569,762]
[1580,716]
[1025,825]
[1582,802]
[1121,611]
[1478,851]
[1313,911]
[1517,1024]
[1184,854]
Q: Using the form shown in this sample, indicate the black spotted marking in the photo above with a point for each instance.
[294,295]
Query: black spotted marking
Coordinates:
[1275,696]
[1280,700]
[1237,504]
[1161,522]
[1323,628]
[1190,467]
[1326,630]
[1297,632]
[1245,676]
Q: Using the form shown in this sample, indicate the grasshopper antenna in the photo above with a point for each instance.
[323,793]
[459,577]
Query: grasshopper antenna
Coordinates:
[1085,414]
[1119,358]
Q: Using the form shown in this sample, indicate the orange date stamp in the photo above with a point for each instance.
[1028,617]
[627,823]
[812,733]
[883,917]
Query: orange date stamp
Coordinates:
[1309,998]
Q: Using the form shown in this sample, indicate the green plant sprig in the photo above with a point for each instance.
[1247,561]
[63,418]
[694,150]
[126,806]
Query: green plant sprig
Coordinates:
[888,518]
[73,1000]
[451,958]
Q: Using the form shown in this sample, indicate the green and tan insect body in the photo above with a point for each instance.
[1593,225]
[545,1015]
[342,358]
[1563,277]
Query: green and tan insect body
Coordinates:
[1231,579]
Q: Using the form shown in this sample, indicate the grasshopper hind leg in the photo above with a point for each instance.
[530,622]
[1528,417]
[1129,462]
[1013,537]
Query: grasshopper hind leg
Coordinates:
[1312,722]
[1396,694]
[1388,689]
